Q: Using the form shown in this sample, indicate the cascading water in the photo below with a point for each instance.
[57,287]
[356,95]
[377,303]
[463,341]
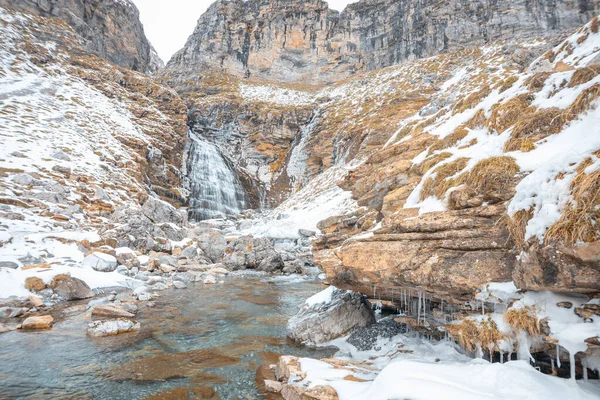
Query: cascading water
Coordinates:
[215,189]
[296,167]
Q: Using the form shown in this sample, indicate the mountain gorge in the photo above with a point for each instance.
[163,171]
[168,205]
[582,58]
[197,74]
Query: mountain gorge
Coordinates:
[441,158]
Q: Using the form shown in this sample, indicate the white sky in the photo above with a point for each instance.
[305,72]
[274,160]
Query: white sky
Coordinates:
[168,23]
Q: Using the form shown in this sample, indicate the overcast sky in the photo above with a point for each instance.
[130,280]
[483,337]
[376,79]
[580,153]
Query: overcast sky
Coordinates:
[168,23]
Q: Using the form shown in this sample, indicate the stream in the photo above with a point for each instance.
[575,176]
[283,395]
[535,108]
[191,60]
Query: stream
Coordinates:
[211,338]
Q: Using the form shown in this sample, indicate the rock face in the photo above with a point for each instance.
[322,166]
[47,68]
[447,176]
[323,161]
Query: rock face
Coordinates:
[110,29]
[328,315]
[247,252]
[305,41]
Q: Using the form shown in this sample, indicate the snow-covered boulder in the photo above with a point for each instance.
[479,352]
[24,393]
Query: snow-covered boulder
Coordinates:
[100,262]
[328,315]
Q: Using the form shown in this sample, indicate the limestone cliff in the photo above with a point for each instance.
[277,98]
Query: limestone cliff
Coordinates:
[111,29]
[305,41]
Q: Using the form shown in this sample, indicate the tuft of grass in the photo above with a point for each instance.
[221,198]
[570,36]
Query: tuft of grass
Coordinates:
[439,184]
[517,226]
[584,75]
[489,336]
[507,83]
[459,133]
[523,319]
[536,82]
[582,103]
[533,127]
[595,25]
[433,161]
[491,175]
[580,222]
[506,114]
[472,100]
[479,120]
[466,334]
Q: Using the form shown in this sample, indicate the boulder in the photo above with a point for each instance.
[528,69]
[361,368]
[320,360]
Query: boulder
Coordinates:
[71,288]
[328,315]
[306,233]
[36,301]
[9,265]
[100,262]
[41,322]
[254,253]
[213,244]
[111,311]
[179,285]
[34,284]
[113,327]
[366,338]
[159,212]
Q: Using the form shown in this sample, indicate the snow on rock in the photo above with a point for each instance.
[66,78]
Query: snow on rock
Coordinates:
[276,95]
[323,296]
[100,262]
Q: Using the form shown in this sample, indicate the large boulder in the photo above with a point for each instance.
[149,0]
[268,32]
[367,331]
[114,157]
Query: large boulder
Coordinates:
[160,212]
[253,253]
[328,315]
[41,322]
[72,289]
[100,262]
[111,311]
[213,244]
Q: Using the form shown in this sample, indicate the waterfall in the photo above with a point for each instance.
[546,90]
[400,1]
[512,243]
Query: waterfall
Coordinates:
[215,189]
[296,167]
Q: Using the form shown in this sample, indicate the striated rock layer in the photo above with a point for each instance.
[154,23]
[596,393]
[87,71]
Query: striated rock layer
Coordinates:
[111,29]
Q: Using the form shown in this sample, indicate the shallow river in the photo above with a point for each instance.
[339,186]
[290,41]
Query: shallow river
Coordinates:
[207,340]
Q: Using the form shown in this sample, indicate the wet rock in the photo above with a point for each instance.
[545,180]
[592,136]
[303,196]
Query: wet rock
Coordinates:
[273,386]
[36,301]
[34,323]
[366,338]
[71,288]
[328,315]
[209,280]
[111,311]
[34,284]
[129,307]
[179,285]
[100,262]
[111,328]
[252,253]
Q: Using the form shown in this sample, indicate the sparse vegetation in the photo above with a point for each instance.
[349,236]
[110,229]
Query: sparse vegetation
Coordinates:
[523,319]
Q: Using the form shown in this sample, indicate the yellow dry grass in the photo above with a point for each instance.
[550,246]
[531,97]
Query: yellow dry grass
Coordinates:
[580,222]
[534,126]
[478,121]
[433,161]
[507,83]
[439,184]
[466,334]
[595,25]
[450,140]
[491,175]
[536,82]
[472,100]
[506,114]
[517,226]
[523,319]
[584,75]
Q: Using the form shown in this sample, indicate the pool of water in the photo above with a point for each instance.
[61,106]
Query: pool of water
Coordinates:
[207,340]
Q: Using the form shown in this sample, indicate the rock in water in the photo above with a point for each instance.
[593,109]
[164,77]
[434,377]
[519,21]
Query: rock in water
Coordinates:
[33,323]
[328,315]
[111,328]
[111,311]
[73,289]
[100,262]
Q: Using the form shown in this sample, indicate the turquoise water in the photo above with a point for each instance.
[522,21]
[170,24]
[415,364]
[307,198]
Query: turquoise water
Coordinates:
[206,336]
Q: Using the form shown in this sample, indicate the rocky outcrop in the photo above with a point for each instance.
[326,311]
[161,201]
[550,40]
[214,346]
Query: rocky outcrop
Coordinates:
[109,29]
[328,315]
[71,288]
[305,41]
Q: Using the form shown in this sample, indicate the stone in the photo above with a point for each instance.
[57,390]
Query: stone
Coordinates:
[35,323]
[213,244]
[9,265]
[36,301]
[100,262]
[320,392]
[564,304]
[61,155]
[159,211]
[113,327]
[71,288]
[34,284]
[365,338]
[179,285]
[306,233]
[273,386]
[167,269]
[209,280]
[111,311]
[337,315]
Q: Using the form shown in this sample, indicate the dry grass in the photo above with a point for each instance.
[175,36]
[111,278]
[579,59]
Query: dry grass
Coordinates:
[523,319]
[595,25]
[581,220]
[433,161]
[582,103]
[466,334]
[472,100]
[479,120]
[507,83]
[489,336]
[536,82]
[450,140]
[506,114]
[517,226]
[491,175]
[584,75]
[439,184]
[535,126]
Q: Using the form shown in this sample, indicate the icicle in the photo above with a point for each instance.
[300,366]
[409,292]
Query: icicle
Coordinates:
[482,308]
[509,356]
[419,308]
[501,357]
[374,291]
[585,371]
[557,355]
[554,373]
[572,362]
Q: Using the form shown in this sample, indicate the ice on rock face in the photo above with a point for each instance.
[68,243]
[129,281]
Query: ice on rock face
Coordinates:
[215,189]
